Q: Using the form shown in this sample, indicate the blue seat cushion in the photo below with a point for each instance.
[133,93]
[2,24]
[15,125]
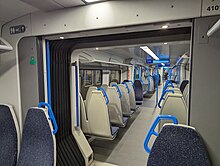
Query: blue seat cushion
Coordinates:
[37,147]
[178,146]
[9,138]
[125,119]
[114,130]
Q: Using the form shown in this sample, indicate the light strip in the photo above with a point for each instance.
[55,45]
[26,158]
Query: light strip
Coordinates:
[92,1]
[162,64]
[151,53]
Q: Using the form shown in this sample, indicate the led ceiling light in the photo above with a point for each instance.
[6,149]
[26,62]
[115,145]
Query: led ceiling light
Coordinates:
[92,1]
[97,48]
[162,64]
[61,37]
[165,27]
[148,51]
[165,43]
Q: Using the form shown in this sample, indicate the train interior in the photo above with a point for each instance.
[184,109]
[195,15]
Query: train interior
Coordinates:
[123,95]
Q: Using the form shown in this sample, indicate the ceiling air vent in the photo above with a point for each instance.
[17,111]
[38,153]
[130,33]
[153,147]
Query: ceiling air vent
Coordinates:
[4,46]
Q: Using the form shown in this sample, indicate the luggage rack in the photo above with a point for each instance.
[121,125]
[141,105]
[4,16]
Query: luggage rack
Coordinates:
[4,46]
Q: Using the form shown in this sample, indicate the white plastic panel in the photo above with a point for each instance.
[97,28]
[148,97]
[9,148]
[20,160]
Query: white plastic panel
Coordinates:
[210,7]
[109,14]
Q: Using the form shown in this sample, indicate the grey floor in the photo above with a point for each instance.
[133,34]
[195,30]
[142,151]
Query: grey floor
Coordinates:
[127,149]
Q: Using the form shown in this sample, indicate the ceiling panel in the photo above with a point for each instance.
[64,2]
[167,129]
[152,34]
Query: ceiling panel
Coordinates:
[11,9]
[45,5]
[70,3]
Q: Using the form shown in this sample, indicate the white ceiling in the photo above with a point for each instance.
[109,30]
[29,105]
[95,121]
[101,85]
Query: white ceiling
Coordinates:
[11,9]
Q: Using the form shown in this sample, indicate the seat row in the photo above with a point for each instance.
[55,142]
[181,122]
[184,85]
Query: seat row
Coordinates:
[107,108]
[37,144]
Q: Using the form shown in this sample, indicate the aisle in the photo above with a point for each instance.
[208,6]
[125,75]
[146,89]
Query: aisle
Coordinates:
[127,149]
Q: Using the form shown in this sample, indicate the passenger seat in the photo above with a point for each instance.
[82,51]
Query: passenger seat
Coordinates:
[38,145]
[178,145]
[10,136]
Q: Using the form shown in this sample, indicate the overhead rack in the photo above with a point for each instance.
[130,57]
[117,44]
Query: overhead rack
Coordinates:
[4,46]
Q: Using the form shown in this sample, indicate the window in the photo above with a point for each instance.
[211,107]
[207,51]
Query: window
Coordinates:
[115,76]
[91,77]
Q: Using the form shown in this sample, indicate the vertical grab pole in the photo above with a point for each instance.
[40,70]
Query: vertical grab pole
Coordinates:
[48,71]
[77,96]
[75,89]
[157,82]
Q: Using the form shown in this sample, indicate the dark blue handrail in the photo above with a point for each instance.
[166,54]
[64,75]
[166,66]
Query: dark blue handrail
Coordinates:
[126,86]
[105,94]
[51,115]
[152,129]
[162,96]
[118,89]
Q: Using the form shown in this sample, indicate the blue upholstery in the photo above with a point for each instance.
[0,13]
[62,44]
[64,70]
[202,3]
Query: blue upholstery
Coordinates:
[114,130]
[8,137]
[37,147]
[125,119]
[178,146]
[138,90]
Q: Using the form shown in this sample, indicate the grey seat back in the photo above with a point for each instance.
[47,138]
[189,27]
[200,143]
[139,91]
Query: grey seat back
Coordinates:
[178,145]
[9,134]
[38,145]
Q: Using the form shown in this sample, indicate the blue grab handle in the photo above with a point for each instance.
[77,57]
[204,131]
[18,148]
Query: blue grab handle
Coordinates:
[105,94]
[162,96]
[168,85]
[51,115]
[152,129]
[126,86]
[132,83]
[118,89]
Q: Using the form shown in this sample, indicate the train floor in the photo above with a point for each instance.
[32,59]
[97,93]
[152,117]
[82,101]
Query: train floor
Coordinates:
[128,147]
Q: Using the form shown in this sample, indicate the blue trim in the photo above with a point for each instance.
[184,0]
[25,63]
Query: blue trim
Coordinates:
[105,94]
[77,97]
[132,83]
[48,71]
[162,96]
[126,86]
[51,115]
[118,89]
[152,129]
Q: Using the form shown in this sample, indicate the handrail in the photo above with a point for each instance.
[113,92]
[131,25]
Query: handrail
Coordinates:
[152,129]
[162,96]
[126,86]
[105,94]
[132,83]
[51,115]
[170,84]
[118,89]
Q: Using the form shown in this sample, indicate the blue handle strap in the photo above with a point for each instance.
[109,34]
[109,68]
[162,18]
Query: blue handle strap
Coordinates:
[105,94]
[118,89]
[51,115]
[126,86]
[162,96]
[152,129]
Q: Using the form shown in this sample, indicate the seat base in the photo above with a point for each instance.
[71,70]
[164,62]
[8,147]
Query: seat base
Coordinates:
[128,115]
[98,163]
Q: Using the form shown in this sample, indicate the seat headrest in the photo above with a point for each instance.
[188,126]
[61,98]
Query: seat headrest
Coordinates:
[90,91]
[178,145]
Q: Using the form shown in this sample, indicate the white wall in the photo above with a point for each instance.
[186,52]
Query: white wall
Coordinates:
[205,89]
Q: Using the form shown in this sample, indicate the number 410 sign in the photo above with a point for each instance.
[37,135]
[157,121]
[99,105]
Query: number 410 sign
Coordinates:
[210,7]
